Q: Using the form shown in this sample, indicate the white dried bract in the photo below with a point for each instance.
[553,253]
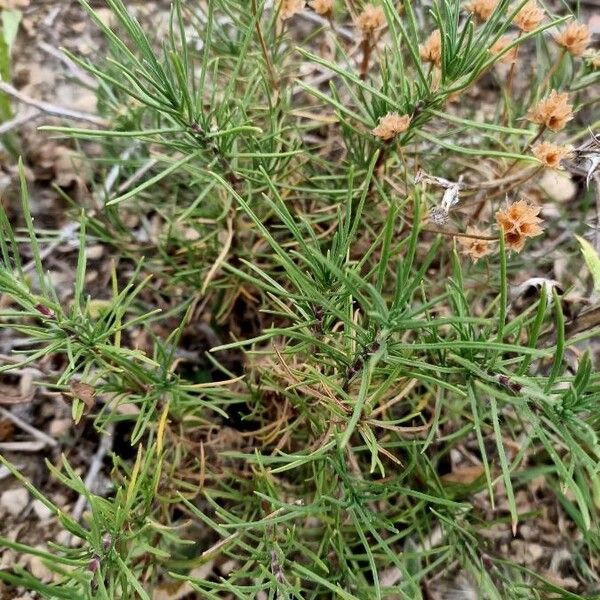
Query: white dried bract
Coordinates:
[439,215]
[536,283]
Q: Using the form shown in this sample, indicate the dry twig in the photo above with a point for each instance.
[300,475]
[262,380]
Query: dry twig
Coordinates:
[51,109]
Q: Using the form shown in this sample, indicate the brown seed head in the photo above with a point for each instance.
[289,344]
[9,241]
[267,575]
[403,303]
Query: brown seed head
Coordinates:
[554,111]
[482,9]
[519,221]
[431,50]
[322,7]
[529,17]
[551,155]
[391,125]
[370,19]
[574,38]
[289,8]
[473,247]
[497,48]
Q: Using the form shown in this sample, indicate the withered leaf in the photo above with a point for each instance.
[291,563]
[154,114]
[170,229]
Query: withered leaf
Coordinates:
[463,475]
[84,392]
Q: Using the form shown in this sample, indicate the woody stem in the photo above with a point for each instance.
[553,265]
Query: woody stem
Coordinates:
[516,183]
[366,57]
[379,165]
[553,69]
[487,238]
[509,79]
[537,136]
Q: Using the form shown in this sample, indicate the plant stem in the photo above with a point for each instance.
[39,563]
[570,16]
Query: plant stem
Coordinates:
[553,69]
[516,183]
[537,136]
[366,57]
[509,81]
[263,47]
[487,238]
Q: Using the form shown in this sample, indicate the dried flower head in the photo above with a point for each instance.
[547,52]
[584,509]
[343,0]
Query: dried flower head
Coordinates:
[497,48]
[431,50]
[391,125]
[289,8]
[474,247]
[370,19]
[529,17]
[553,111]
[482,9]
[592,57]
[551,155]
[322,7]
[519,221]
[574,38]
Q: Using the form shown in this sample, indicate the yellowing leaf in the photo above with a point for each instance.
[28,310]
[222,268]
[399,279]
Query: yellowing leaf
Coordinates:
[96,308]
[10,26]
[592,260]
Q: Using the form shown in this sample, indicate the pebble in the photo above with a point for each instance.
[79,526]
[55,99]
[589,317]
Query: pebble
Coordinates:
[14,500]
[42,512]
[558,185]
[58,427]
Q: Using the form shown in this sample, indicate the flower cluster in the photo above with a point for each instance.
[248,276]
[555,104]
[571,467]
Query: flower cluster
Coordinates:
[551,155]
[553,112]
[519,221]
[431,50]
[289,8]
[370,19]
[474,245]
[322,7]
[529,17]
[482,9]
[391,125]
[574,38]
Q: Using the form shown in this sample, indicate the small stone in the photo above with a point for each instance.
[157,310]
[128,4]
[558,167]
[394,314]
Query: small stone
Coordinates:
[60,500]
[535,551]
[94,252]
[58,427]
[38,569]
[42,512]
[227,567]
[106,16]
[64,538]
[14,501]
[558,185]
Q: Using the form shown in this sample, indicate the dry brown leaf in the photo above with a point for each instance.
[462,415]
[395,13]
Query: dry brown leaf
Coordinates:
[84,392]
[14,500]
[7,430]
[464,475]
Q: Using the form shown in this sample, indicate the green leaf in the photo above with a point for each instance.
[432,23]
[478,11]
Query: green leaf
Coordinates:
[11,20]
[592,260]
